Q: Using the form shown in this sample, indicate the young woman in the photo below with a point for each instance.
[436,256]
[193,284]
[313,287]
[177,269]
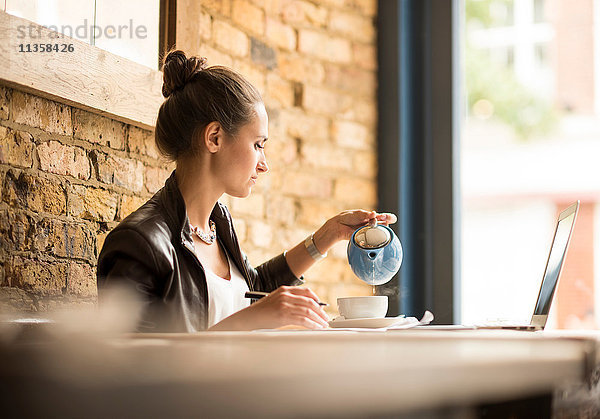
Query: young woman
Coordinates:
[179,251]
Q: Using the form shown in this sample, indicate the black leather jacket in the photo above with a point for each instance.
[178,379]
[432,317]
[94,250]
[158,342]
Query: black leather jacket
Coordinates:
[152,252]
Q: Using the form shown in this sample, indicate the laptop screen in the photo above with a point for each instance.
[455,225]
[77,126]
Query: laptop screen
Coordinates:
[555,261]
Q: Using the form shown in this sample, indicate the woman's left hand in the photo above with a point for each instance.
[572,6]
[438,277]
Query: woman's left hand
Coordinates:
[345,223]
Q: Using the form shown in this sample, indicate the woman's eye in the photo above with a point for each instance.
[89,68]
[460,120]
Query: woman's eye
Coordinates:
[259,145]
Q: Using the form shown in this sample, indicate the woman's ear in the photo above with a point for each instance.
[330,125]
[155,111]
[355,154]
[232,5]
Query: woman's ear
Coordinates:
[213,137]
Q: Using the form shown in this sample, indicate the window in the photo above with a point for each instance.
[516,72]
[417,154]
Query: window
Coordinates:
[125,28]
[529,147]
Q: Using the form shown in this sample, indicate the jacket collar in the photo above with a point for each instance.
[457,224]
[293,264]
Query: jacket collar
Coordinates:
[173,202]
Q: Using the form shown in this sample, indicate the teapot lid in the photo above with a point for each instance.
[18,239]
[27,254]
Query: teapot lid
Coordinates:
[372,237]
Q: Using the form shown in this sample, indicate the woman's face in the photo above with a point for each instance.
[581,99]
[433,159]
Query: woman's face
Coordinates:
[242,157]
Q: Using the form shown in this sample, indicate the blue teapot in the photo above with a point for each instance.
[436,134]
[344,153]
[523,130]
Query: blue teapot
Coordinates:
[375,254]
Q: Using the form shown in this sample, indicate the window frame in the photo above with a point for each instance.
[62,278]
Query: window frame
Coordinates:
[90,78]
[167,28]
[418,151]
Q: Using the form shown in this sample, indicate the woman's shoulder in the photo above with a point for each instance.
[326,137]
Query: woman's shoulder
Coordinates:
[147,229]
[148,220]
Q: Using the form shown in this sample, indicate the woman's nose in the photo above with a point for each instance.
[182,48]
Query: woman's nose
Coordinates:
[262,166]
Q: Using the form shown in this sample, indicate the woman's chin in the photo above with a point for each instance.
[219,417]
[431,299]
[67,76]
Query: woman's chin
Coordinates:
[240,194]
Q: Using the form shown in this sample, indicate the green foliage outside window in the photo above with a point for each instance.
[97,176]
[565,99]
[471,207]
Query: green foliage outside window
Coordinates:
[493,83]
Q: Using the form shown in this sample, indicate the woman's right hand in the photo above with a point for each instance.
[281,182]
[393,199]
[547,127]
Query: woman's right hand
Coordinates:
[283,307]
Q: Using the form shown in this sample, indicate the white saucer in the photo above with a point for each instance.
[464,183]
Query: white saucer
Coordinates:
[371,323]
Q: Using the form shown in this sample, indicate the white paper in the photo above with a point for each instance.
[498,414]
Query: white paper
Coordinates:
[401,324]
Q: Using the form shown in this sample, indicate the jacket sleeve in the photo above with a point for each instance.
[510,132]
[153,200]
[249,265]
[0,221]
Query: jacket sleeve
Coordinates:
[127,261]
[272,274]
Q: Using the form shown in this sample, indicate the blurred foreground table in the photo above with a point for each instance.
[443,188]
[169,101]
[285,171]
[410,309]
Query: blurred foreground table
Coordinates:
[288,373]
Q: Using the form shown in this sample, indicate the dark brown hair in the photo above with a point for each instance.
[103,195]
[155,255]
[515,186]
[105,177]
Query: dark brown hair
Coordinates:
[197,95]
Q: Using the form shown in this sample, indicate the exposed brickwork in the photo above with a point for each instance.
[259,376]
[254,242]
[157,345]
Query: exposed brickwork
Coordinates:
[252,205]
[262,54]
[325,101]
[304,13]
[120,171]
[217,57]
[352,25]
[230,39]
[326,157]
[78,282]
[324,46]
[353,79]
[92,203]
[129,203]
[45,237]
[248,16]
[261,234]
[155,177]
[314,212]
[279,91]
[15,233]
[36,276]
[365,56]
[309,185]
[300,68]
[307,127]
[218,7]
[37,194]
[97,129]
[141,142]
[352,135]
[280,35]
[16,148]
[4,102]
[40,113]
[355,191]
[63,160]
[253,73]
[13,299]
[67,176]
[69,240]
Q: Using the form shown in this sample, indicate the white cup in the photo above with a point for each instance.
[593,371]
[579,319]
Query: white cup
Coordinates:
[363,307]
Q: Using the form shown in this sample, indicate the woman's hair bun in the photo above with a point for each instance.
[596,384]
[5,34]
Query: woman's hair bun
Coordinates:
[178,70]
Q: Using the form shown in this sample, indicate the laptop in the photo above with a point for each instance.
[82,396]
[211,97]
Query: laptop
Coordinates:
[554,265]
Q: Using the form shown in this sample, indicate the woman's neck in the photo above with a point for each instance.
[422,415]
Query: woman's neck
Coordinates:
[200,192]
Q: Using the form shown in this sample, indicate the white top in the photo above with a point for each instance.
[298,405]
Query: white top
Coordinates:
[225,297]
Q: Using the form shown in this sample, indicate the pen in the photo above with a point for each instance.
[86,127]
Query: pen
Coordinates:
[257,295]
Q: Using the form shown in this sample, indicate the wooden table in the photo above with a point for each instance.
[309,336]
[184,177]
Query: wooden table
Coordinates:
[284,374]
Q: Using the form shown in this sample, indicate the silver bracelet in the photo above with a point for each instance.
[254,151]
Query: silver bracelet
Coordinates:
[312,250]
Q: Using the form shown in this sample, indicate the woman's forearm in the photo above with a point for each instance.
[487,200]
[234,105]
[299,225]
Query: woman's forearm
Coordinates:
[298,258]
[335,229]
[234,322]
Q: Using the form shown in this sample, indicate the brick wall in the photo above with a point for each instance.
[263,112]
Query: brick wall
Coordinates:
[314,62]
[68,176]
[572,54]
